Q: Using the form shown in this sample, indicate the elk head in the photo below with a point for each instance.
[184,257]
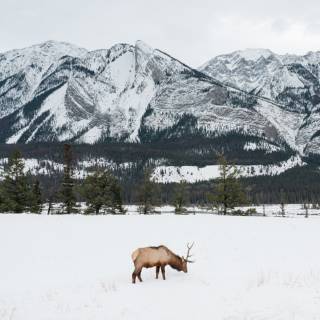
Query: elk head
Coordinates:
[187,259]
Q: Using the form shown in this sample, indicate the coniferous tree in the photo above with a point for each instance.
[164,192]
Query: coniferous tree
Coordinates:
[51,197]
[180,197]
[102,192]
[228,191]
[67,191]
[116,204]
[50,205]
[15,188]
[147,194]
[35,198]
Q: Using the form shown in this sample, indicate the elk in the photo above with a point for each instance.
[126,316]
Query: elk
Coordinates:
[158,257]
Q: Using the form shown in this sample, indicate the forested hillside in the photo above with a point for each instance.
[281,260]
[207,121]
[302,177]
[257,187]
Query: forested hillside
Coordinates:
[128,161]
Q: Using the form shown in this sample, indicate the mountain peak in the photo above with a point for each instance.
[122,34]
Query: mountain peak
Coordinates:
[142,46]
[254,54]
[53,46]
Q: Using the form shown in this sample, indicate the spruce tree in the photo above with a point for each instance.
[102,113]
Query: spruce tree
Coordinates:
[116,204]
[53,195]
[180,197]
[147,194]
[67,191]
[228,191]
[35,198]
[15,188]
[102,192]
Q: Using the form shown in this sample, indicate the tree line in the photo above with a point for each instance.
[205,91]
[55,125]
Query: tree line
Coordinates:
[300,184]
[102,192]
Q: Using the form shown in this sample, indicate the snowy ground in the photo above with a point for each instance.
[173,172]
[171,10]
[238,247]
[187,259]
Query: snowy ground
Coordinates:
[269,210]
[79,267]
[292,210]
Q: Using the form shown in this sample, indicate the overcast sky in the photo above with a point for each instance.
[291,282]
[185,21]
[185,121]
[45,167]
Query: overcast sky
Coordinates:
[191,30]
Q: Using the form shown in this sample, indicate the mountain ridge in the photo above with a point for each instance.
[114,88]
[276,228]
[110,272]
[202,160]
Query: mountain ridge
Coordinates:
[56,91]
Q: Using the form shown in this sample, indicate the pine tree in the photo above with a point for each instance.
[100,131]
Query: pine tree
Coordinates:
[228,192]
[36,198]
[102,192]
[180,197]
[147,194]
[53,195]
[116,204]
[15,188]
[67,191]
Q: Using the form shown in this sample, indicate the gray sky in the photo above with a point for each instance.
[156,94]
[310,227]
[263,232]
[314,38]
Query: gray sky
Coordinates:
[192,31]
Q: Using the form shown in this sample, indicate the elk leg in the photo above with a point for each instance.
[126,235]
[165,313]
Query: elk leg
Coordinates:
[163,272]
[134,277]
[157,271]
[136,273]
[139,276]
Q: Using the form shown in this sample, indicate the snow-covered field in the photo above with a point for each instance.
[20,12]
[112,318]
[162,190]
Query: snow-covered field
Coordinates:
[292,210]
[79,267]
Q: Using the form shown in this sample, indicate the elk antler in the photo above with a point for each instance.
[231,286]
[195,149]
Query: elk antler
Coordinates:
[188,253]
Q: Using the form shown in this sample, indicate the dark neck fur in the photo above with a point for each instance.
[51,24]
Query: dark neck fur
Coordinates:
[176,263]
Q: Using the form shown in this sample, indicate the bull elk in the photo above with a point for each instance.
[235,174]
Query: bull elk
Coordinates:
[158,257]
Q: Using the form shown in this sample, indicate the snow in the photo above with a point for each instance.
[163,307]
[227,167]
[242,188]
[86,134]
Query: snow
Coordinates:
[254,54]
[161,173]
[292,210]
[144,47]
[54,105]
[79,267]
[287,123]
[192,174]
[110,90]
[262,145]
[92,135]
[278,79]
[48,167]
[35,63]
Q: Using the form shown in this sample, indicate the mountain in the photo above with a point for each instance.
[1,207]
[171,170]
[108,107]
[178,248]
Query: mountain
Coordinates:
[291,81]
[58,92]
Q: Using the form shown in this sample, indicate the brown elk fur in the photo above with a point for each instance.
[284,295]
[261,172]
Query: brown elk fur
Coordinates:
[158,257]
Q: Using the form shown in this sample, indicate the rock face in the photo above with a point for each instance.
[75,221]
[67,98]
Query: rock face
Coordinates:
[58,92]
[289,80]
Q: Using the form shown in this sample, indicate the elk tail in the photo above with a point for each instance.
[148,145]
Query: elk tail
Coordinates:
[134,255]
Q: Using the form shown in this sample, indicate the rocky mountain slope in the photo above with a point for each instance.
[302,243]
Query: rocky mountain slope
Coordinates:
[58,92]
[291,81]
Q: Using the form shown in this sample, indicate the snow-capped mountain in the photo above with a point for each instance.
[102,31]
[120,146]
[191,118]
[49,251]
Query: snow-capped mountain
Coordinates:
[291,81]
[59,92]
